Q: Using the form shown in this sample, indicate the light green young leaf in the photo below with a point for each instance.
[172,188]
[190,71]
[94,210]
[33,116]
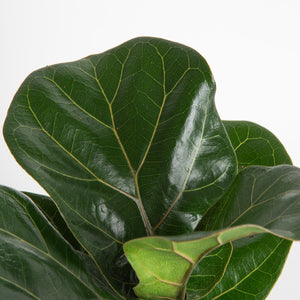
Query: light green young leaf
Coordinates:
[164,265]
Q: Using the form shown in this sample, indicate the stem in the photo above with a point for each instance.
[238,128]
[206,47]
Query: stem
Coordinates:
[142,209]
[183,294]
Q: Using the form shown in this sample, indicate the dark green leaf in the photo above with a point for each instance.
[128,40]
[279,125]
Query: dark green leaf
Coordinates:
[253,145]
[266,196]
[255,264]
[36,262]
[127,143]
[50,210]
[209,271]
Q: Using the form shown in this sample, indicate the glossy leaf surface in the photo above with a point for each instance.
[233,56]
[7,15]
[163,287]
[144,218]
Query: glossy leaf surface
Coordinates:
[221,271]
[268,198]
[127,143]
[35,261]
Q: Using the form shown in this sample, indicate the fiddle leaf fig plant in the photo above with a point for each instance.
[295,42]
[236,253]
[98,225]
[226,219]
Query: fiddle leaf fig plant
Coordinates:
[150,194]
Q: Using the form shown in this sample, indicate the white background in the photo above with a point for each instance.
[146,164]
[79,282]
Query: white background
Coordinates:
[252,47]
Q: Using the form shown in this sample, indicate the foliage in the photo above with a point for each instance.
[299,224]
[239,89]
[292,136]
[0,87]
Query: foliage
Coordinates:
[151,195]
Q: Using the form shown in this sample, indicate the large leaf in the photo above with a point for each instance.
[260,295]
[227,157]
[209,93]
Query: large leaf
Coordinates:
[127,143]
[268,198]
[36,262]
[253,145]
